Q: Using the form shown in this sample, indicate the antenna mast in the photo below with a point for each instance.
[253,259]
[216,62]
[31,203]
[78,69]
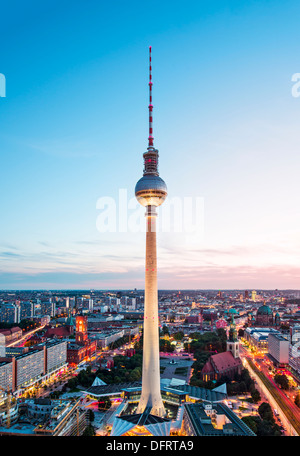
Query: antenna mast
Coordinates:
[150,139]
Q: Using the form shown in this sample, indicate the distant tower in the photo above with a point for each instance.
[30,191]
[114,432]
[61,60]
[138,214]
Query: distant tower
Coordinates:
[277,319]
[232,342]
[81,329]
[151,192]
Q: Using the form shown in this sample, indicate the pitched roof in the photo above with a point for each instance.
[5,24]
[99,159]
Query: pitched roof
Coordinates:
[60,331]
[15,329]
[223,361]
[207,368]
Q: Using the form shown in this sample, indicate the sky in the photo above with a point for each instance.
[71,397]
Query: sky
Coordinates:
[74,127]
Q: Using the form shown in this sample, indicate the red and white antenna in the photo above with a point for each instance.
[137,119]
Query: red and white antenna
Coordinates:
[150,139]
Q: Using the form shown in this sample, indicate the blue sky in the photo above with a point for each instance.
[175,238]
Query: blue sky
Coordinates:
[73,128]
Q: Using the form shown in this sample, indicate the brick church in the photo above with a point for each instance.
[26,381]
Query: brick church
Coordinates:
[227,363]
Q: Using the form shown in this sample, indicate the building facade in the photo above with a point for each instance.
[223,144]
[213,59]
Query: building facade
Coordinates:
[21,371]
[278,349]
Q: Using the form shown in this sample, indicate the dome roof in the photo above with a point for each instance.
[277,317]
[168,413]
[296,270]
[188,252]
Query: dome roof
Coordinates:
[150,182]
[151,191]
[234,311]
[264,310]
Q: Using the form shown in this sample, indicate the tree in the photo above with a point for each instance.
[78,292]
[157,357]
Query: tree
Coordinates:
[89,431]
[242,387]
[282,381]
[135,375]
[265,412]
[250,422]
[261,427]
[178,335]
[91,415]
[72,383]
[297,400]
[165,330]
[165,345]
[255,394]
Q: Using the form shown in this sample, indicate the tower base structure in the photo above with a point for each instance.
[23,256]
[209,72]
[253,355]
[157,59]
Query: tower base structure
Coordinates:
[151,395]
[141,424]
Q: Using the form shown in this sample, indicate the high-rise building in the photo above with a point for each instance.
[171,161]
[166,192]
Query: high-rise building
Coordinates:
[48,307]
[27,309]
[278,349]
[19,371]
[151,192]
[9,313]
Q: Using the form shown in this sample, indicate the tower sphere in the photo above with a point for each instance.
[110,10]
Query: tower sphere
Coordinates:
[151,190]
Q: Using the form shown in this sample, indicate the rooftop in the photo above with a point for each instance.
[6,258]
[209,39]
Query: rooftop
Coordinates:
[202,422]
[223,361]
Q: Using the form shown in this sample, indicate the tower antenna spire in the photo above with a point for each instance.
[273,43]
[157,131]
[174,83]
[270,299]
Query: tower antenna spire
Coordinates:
[150,139]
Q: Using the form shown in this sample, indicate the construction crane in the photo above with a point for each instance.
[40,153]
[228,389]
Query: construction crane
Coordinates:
[8,401]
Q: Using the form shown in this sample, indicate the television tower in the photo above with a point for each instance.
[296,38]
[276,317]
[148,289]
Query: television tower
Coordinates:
[151,191]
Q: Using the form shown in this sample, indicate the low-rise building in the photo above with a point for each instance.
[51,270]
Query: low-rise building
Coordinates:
[11,335]
[216,419]
[66,419]
[257,337]
[9,409]
[77,353]
[105,338]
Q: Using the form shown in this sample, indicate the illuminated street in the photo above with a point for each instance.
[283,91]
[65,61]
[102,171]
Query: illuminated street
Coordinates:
[263,365]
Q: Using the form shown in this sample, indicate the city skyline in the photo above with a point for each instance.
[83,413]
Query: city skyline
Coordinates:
[74,121]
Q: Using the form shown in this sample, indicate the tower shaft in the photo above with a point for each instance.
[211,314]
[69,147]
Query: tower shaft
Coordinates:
[151,395]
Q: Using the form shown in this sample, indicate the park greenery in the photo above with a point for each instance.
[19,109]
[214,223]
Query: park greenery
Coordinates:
[210,343]
[178,335]
[125,370]
[164,343]
[264,423]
